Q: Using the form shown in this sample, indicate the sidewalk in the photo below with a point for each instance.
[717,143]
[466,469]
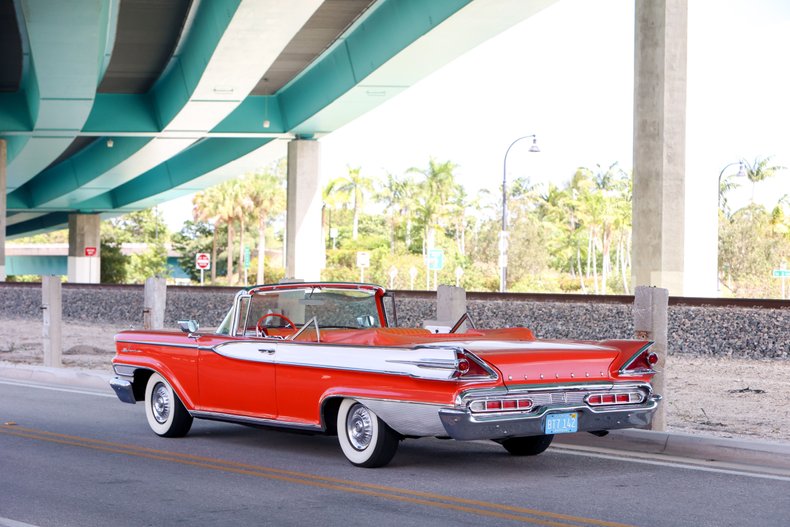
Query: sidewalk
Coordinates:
[774,456]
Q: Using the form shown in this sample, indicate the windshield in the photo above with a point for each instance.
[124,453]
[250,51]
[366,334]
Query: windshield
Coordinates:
[332,307]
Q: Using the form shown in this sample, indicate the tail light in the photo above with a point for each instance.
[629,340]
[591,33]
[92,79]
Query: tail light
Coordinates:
[511,404]
[469,366]
[614,398]
[641,363]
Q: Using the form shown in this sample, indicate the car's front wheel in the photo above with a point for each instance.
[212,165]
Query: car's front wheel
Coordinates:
[366,440]
[165,413]
[526,446]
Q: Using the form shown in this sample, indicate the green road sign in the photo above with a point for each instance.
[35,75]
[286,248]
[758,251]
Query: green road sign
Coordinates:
[435,259]
[781,273]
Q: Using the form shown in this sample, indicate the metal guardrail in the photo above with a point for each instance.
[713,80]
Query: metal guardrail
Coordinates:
[764,303]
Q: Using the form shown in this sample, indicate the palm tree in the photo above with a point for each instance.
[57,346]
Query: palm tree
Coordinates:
[436,190]
[267,196]
[227,213]
[205,209]
[355,185]
[393,192]
[760,170]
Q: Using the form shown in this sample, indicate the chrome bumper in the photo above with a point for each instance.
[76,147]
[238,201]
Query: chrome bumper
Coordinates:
[464,425]
[123,389]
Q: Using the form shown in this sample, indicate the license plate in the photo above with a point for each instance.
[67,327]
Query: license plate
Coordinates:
[562,423]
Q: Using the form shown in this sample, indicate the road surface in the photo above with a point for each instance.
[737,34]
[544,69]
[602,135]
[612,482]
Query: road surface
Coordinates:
[71,457]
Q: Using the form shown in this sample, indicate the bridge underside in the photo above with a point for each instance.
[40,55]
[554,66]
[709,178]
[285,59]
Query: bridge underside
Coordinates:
[109,106]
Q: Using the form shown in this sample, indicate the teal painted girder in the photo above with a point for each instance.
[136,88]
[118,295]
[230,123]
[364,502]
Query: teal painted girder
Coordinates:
[391,27]
[91,172]
[204,156]
[64,49]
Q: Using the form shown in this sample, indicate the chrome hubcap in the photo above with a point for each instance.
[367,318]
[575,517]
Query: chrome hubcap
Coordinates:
[359,425]
[160,403]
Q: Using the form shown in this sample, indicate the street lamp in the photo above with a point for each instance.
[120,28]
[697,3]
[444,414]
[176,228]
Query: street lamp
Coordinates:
[503,233]
[741,173]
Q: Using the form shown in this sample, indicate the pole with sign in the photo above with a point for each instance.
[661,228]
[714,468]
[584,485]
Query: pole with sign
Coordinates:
[202,262]
[435,264]
[782,273]
[363,261]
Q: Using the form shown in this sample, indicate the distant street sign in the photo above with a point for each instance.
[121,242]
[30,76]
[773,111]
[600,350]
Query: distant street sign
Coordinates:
[246,257]
[435,259]
[203,261]
[363,259]
[90,251]
[781,273]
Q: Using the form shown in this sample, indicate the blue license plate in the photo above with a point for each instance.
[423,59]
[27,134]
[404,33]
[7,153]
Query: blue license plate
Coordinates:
[562,423]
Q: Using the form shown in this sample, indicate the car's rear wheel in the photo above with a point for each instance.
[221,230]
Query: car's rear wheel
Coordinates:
[366,440]
[166,414]
[526,446]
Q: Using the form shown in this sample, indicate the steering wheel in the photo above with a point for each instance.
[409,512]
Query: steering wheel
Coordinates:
[262,330]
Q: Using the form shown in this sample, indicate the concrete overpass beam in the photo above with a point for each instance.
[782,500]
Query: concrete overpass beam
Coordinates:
[660,144]
[304,249]
[84,262]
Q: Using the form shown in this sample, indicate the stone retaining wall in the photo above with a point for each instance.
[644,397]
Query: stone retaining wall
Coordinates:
[695,330]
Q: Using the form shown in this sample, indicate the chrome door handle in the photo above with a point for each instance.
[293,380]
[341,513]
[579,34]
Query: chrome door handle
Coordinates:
[270,351]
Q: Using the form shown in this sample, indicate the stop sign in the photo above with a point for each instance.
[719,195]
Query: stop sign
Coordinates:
[202,261]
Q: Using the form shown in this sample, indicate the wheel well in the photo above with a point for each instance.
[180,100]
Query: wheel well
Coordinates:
[329,411]
[141,377]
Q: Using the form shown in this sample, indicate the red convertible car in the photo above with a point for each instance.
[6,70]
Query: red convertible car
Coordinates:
[329,358]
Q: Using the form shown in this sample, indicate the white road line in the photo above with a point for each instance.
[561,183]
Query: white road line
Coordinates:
[674,462]
[55,389]
[5,522]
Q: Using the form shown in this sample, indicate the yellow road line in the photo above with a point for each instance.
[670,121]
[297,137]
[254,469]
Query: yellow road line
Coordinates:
[405,495]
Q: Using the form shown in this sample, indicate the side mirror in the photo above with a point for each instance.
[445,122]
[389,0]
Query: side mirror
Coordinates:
[188,326]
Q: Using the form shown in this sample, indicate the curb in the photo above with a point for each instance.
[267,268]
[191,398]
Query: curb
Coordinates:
[72,377]
[756,453]
[767,454]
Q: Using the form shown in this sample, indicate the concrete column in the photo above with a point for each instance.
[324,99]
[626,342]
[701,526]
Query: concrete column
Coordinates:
[51,308]
[650,323]
[3,211]
[451,304]
[84,264]
[304,245]
[154,301]
[659,144]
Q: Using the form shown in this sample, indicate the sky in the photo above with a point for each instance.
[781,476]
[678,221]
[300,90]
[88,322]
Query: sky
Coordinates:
[566,75]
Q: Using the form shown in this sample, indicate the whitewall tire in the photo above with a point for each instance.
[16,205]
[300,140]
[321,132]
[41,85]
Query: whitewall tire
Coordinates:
[366,440]
[166,414]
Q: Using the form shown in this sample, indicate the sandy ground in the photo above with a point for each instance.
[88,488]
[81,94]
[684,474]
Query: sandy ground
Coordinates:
[748,399]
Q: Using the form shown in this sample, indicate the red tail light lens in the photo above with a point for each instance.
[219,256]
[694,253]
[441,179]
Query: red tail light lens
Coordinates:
[501,405]
[615,398]
[640,364]
[470,366]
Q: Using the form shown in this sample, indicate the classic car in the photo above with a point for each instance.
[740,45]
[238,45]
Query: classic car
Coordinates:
[329,358]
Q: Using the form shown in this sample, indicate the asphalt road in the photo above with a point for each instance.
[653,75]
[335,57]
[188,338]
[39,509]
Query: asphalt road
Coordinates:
[76,458]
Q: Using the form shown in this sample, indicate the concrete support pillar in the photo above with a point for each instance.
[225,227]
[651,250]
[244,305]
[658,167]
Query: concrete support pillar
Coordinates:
[154,301]
[304,245]
[451,304]
[651,323]
[51,308]
[3,211]
[84,264]
[659,144]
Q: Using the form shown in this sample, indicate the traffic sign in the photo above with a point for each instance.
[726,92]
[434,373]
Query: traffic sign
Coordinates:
[363,259]
[781,273]
[435,259]
[203,261]
[246,257]
[90,251]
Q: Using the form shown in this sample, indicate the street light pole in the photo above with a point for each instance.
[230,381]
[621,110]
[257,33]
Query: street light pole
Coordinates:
[503,242]
[741,173]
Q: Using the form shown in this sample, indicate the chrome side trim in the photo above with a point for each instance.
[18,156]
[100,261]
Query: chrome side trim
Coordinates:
[162,344]
[257,421]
